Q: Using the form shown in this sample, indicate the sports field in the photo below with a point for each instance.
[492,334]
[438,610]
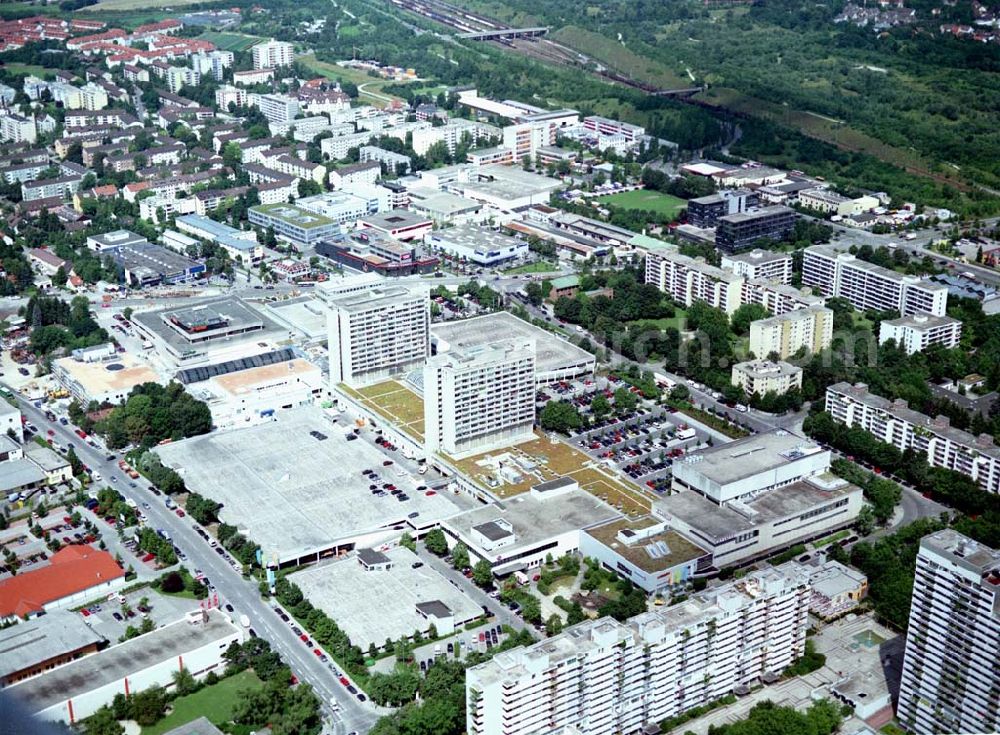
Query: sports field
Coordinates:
[646,201]
[231,41]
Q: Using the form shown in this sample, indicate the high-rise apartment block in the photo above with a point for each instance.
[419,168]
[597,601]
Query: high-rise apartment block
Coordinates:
[895,423]
[272,53]
[687,280]
[766,265]
[917,332]
[951,669]
[867,286]
[602,676]
[788,333]
[376,333]
[479,398]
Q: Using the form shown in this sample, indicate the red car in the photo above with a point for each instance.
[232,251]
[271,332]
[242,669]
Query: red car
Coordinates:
[344,681]
[81,433]
[85,613]
[430,493]
[317,652]
[180,513]
[304,637]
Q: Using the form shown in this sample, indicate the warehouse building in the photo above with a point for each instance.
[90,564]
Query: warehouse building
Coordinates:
[41,644]
[476,245]
[77,690]
[150,264]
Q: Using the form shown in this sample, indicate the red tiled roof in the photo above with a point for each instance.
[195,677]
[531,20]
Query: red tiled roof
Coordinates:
[73,569]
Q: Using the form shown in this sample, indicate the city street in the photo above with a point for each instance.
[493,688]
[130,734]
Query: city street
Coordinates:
[242,594]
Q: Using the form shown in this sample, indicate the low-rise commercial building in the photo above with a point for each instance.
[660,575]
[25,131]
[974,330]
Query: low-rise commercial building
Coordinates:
[400,224]
[786,334]
[108,380]
[602,676]
[479,399]
[895,423]
[523,530]
[476,245]
[751,497]
[917,332]
[645,552]
[75,691]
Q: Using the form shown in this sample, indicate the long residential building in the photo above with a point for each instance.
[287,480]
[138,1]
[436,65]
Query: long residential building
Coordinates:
[788,333]
[767,265]
[603,677]
[867,286]
[950,680]
[376,333]
[480,398]
[687,280]
[893,422]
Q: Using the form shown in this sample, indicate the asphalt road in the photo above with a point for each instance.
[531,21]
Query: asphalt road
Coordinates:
[231,587]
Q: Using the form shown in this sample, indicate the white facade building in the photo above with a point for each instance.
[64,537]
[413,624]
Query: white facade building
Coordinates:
[868,286]
[917,332]
[278,108]
[950,676]
[788,333]
[16,128]
[272,53]
[602,676]
[763,376]
[376,333]
[766,265]
[687,280]
[893,422]
[480,398]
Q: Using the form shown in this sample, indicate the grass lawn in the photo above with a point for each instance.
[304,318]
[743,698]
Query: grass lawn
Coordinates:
[539,266]
[230,41]
[372,85]
[215,702]
[677,321]
[38,71]
[831,538]
[646,201]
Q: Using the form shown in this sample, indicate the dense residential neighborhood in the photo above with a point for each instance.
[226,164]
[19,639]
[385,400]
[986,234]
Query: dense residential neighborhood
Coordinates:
[352,382]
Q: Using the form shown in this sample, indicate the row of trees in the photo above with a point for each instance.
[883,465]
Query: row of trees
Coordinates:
[154,413]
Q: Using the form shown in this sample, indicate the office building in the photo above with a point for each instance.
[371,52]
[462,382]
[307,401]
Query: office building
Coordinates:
[602,676]
[741,231]
[705,211]
[786,334]
[759,377]
[480,398]
[951,677]
[77,690]
[377,333]
[337,206]
[293,224]
[750,497]
[916,332]
[687,280]
[895,423]
[870,287]
[272,53]
[764,265]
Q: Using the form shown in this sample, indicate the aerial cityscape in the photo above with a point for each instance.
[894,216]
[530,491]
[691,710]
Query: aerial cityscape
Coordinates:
[499,367]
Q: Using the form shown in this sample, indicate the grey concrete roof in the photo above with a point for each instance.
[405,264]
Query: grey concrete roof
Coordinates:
[18,473]
[30,642]
[743,458]
[91,672]
[201,726]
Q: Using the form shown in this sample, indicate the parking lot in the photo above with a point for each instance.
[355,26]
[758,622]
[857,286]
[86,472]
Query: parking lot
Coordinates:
[110,618]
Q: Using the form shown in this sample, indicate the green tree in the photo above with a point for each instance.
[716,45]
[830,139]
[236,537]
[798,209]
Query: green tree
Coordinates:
[482,573]
[560,416]
[184,681]
[554,625]
[407,542]
[625,400]
[102,722]
[600,406]
[460,556]
[436,543]
[149,705]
